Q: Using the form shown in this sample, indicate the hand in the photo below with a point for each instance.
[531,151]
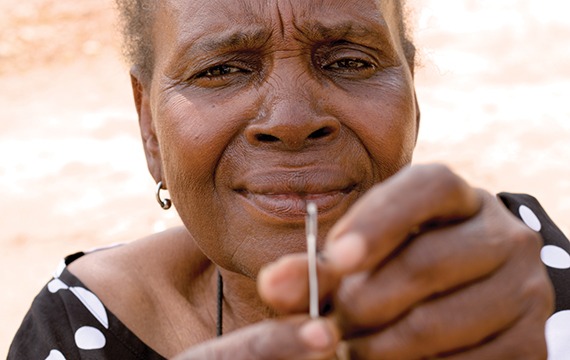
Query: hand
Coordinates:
[294,337]
[423,266]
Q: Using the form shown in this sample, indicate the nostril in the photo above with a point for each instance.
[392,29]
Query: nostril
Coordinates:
[266,138]
[320,133]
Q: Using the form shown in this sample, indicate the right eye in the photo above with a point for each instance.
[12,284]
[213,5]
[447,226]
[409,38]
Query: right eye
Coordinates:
[224,74]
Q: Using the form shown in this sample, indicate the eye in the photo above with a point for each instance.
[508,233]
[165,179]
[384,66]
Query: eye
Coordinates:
[224,74]
[347,60]
[219,71]
[349,64]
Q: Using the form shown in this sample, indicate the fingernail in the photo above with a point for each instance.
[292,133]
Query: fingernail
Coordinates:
[317,335]
[347,252]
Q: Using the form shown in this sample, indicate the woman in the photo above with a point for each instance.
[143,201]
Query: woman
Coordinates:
[249,109]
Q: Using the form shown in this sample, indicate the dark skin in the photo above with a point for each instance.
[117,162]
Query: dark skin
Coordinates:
[295,100]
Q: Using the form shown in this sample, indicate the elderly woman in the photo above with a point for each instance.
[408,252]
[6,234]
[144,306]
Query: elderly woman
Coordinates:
[248,110]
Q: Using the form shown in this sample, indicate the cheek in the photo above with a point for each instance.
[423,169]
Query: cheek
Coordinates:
[194,134]
[383,118]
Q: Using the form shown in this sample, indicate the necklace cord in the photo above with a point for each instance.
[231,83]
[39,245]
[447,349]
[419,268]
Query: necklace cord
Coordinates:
[219,319]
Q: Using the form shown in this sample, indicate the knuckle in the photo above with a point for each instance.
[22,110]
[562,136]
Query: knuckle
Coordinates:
[351,305]
[538,293]
[445,180]
[418,326]
[524,240]
[423,265]
[443,174]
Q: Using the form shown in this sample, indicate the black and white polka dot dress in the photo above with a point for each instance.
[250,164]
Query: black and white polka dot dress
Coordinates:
[555,255]
[67,321]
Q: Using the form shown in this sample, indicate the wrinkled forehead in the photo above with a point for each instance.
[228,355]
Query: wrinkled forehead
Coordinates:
[189,20]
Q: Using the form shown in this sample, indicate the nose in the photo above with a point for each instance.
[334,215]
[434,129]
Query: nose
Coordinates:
[292,122]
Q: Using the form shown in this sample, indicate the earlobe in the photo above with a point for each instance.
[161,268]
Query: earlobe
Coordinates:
[141,97]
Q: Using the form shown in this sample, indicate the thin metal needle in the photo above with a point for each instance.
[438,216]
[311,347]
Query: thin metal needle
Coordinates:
[311,232]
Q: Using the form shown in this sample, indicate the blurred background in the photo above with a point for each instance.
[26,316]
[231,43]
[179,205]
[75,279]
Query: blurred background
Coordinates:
[493,83]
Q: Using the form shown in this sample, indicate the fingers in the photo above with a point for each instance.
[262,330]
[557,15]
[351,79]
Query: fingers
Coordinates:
[516,291]
[461,320]
[435,262]
[466,279]
[292,338]
[284,285]
[382,220]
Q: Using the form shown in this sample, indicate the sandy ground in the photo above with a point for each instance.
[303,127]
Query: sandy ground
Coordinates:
[493,85]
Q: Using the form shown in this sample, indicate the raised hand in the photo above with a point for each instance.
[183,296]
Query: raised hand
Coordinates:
[423,266]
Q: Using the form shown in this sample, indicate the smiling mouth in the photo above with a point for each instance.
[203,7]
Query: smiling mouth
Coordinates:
[281,194]
[292,206]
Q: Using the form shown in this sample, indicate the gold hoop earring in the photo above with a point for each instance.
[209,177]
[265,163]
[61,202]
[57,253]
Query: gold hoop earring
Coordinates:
[166,203]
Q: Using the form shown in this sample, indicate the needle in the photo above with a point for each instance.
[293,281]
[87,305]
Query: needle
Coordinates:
[311,232]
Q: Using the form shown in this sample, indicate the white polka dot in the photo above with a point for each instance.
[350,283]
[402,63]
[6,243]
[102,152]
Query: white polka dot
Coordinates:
[558,335]
[555,257]
[55,355]
[55,285]
[60,267]
[529,218]
[92,303]
[89,338]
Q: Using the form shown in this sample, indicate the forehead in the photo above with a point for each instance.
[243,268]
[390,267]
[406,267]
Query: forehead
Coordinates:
[187,21]
[247,10]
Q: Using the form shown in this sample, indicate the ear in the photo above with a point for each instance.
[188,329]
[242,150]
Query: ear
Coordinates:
[141,94]
[418,115]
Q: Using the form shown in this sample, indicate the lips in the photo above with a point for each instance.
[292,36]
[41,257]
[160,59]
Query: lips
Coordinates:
[283,194]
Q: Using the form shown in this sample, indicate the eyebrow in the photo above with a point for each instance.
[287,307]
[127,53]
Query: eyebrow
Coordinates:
[368,33]
[253,38]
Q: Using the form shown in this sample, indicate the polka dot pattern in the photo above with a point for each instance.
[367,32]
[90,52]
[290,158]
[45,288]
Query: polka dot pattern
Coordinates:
[89,338]
[55,285]
[59,269]
[555,257]
[92,303]
[529,218]
[558,336]
[55,355]
[86,337]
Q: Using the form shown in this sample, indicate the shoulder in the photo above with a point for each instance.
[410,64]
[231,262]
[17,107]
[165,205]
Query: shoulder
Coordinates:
[104,303]
[149,285]
[157,255]
[138,270]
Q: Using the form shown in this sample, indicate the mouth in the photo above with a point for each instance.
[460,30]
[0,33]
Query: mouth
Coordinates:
[283,196]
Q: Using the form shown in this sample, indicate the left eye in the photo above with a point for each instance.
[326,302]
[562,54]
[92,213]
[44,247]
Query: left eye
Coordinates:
[350,65]
[219,70]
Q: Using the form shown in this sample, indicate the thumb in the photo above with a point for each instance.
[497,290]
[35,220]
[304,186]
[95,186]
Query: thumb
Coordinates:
[288,338]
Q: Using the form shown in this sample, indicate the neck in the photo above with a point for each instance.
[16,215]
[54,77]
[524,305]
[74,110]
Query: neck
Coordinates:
[242,305]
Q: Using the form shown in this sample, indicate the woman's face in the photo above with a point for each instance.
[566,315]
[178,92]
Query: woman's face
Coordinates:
[260,105]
